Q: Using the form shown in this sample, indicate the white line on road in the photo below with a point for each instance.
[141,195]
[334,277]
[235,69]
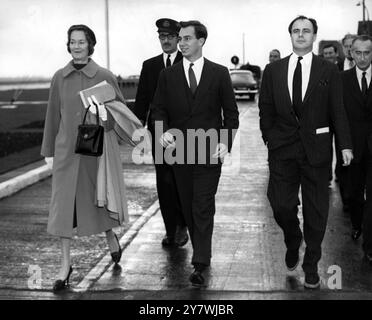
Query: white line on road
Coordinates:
[102,266]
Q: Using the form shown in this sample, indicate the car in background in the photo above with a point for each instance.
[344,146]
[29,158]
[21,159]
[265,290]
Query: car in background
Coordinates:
[244,83]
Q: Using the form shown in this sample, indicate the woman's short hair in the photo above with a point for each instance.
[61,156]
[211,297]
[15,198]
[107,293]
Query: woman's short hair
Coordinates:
[89,34]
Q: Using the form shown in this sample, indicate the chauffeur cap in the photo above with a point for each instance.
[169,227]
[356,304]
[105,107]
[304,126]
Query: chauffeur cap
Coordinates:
[168,25]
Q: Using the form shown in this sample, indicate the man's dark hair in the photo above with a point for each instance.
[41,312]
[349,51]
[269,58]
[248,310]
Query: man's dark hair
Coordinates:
[200,29]
[276,50]
[313,22]
[89,34]
[363,37]
[330,45]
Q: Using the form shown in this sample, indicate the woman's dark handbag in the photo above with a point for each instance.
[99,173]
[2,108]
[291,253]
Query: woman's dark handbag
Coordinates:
[89,140]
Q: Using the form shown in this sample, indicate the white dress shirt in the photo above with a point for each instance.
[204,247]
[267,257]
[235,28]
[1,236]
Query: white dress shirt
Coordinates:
[360,75]
[348,64]
[197,67]
[172,57]
[305,70]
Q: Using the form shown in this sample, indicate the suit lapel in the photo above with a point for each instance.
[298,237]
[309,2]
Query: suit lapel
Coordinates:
[181,80]
[369,95]
[282,83]
[316,72]
[205,81]
[178,58]
[355,88]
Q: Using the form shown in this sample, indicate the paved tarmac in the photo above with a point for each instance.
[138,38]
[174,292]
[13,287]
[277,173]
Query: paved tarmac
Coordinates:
[248,248]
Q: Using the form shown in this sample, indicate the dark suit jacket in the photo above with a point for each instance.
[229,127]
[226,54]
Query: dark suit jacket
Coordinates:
[359,113]
[321,107]
[340,64]
[173,106]
[147,84]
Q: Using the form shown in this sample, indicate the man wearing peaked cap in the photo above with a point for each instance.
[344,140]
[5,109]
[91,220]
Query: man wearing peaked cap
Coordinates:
[168,25]
[175,226]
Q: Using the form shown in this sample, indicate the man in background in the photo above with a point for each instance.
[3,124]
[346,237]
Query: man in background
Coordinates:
[348,62]
[358,105]
[274,55]
[175,226]
[330,53]
[341,171]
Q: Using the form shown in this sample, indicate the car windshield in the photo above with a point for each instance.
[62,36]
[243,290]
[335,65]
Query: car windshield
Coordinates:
[241,76]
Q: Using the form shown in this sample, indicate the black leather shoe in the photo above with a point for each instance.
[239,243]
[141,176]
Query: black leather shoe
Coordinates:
[62,284]
[167,241]
[292,258]
[356,233]
[312,281]
[116,256]
[368,257]
[181,237]
[197,279]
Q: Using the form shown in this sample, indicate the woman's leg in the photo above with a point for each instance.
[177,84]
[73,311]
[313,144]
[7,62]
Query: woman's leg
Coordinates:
[66,258]
[111,241]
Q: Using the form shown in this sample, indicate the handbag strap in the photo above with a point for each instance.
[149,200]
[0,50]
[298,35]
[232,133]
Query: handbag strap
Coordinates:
[97,116]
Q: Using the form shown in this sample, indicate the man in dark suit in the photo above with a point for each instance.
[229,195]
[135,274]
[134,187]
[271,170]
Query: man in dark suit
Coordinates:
[299,99]
[358,104]
[196,96]
[341,171]
[175,226]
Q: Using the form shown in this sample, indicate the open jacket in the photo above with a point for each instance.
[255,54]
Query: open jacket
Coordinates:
[322,111]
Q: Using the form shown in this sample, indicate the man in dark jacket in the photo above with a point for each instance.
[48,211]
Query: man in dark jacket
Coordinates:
[299,100]
[175,226]
[358,105]
[196,96]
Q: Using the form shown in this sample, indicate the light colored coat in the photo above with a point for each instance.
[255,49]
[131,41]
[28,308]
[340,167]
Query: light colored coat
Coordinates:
[74,176]
[110,185]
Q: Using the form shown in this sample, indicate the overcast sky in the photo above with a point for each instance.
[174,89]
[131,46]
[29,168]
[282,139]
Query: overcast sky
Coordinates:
[33,32]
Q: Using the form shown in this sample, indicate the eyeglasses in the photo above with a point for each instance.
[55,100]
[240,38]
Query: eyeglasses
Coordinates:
[168,36]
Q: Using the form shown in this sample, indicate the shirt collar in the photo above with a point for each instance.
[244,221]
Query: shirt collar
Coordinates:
[197,63]
[360,72]
[89,70]
[172,55]
[307,58]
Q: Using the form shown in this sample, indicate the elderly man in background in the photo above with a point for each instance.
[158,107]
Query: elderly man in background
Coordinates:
[274,55]
[358,105]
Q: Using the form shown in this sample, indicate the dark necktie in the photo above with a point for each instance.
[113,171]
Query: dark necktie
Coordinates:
[364,85]
[192,78]
[297,88]
[168,64]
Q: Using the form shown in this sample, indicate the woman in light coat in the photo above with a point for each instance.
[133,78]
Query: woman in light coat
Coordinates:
[73,202]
